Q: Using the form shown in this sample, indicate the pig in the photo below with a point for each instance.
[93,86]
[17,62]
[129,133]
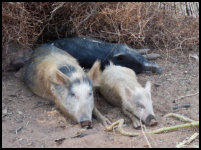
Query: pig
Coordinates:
[53,74]
[119,86]
[88,50]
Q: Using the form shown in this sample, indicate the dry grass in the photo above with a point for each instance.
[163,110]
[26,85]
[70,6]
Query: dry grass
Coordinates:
[137,24]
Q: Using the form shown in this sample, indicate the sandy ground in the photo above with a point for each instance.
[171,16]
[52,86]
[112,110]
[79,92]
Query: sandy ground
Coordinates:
[30,121]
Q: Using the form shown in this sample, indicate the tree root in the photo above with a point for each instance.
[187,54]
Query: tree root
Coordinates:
[180,117]
[187,140]
[171,128]
[119,128]
[165,129]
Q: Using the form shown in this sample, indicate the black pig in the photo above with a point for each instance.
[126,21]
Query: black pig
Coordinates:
[88,50]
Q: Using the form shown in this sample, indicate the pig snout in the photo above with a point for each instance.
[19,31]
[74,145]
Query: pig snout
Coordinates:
[86,124]
[151,120]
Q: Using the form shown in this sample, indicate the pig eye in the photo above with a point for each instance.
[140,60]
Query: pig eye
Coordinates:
[90,93]
[140,105]
[72,94]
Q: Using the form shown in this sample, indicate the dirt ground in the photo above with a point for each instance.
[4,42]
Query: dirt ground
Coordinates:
[30,121]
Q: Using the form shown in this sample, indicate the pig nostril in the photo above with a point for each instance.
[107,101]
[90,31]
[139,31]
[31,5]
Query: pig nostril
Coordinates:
[153,122]
[149,118]
[86,124]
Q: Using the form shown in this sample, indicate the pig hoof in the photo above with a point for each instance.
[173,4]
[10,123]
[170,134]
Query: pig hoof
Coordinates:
[152,56]
[152,67]
[106,122]
[136,125]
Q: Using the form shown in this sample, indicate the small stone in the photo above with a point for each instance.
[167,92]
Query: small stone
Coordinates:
[5,111]
[19,112]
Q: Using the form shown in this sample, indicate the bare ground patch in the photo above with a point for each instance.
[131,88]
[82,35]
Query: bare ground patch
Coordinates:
[29,121]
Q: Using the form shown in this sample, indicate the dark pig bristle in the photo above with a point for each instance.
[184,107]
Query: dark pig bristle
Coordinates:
[67,70]
[79,81]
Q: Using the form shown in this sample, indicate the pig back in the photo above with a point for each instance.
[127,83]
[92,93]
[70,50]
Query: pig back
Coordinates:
[42,66]
[110,93]
[114,80]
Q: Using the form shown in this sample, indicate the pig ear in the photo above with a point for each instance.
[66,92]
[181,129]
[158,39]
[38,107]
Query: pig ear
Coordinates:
[59,78]
[119,55]
[95,73]
[129,93]
[148,86]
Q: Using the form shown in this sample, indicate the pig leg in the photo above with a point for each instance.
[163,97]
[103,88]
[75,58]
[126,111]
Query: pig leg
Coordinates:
[152,56]
[135,121]
[102,118]
[142,51]
[154,68]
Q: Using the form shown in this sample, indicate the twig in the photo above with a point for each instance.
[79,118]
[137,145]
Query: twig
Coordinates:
[119,128]
[180,117]
[185,96]
[181,106]
[18,130]
[111,32]
[142,126]
[80,133]
[187,140]
[59,6]
[195,123]
[27,124]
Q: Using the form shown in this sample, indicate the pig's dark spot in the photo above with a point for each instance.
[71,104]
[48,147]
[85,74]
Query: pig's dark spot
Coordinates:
[83,80]
[67,70]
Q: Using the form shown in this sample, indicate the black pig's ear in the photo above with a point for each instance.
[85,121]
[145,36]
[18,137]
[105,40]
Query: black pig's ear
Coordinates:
[119,56]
